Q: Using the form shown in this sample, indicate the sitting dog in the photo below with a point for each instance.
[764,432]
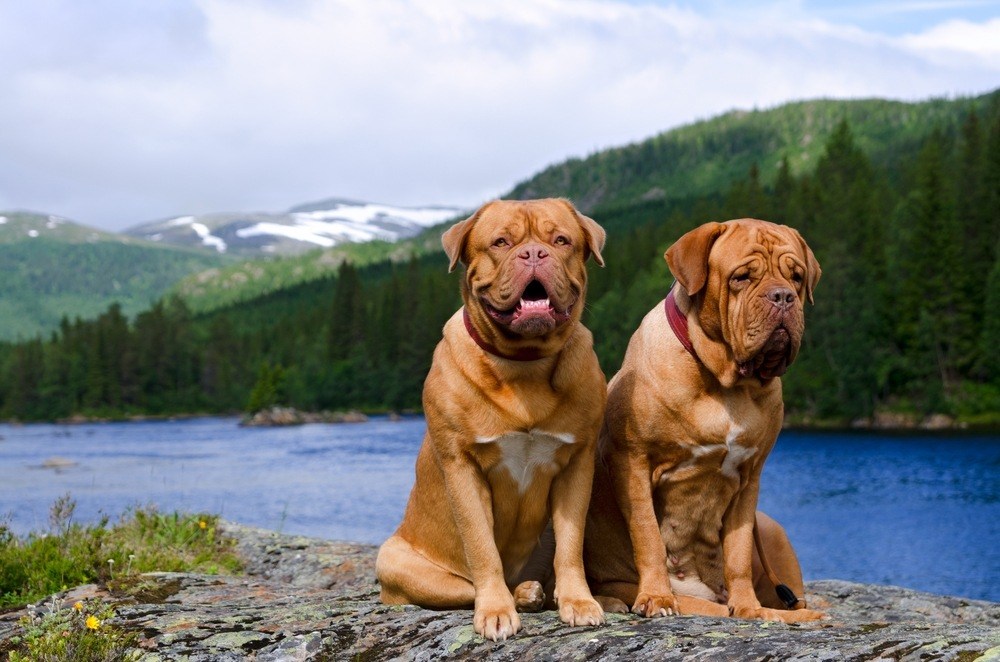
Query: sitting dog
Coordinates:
[691,417]
[514,401]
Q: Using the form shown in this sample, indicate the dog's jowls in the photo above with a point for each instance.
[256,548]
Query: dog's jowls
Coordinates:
[686,433]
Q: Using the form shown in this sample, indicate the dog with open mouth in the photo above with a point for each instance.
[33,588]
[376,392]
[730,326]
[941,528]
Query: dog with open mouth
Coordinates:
[514,401]
[691,417]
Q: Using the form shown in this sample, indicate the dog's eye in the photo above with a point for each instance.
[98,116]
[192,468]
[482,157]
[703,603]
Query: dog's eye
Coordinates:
[500,242]
[561,241]
[797,278]
[741,277]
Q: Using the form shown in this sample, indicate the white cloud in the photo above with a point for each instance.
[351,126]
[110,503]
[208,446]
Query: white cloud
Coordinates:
[980,41]
[231,104]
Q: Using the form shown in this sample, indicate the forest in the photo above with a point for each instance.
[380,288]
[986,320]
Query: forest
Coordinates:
[906,319]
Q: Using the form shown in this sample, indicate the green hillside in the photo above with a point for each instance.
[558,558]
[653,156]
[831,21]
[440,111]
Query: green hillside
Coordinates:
[706,157]
[55,268]
[248,279]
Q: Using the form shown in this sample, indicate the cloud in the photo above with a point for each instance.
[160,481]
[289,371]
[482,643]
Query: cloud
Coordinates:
[116,113]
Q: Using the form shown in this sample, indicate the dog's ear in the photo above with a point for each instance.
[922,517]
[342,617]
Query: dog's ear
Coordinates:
[455,237]
[688,256]
[813,272]
[594,233]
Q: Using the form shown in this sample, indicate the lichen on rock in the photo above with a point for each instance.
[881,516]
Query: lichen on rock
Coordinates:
[305,599]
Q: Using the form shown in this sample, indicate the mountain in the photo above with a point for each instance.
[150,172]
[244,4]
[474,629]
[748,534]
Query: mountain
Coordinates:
[16,226]
[301,229]
[53,267]
[707,157]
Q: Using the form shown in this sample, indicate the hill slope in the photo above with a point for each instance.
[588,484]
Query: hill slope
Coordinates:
[53,267]
[706,157]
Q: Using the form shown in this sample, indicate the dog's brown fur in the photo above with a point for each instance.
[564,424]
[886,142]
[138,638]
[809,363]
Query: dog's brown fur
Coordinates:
[510,443]
[670,526]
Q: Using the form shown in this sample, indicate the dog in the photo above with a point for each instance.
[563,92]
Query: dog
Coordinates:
[691,417]
[514,401]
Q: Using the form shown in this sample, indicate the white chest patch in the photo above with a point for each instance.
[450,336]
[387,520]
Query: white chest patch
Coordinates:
[523,452]
[736,454]
[733,455]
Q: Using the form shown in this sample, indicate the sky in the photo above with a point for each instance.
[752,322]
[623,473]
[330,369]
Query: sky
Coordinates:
[118,112]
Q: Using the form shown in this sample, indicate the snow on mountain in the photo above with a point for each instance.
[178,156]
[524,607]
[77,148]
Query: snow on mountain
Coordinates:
[317,225]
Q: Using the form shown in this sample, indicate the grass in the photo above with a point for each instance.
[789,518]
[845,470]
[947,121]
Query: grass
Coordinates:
[70,554]
[83,632]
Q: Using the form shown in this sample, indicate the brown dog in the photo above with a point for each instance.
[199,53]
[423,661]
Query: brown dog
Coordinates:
[691,417]
[514,401]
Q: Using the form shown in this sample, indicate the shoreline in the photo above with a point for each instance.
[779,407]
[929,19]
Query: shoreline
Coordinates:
[890,423]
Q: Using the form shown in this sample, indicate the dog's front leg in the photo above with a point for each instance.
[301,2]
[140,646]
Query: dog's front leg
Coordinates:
[570,498]
[631,476]
[737,552]
[469,495]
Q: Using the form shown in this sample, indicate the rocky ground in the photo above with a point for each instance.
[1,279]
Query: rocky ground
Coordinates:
[309,599]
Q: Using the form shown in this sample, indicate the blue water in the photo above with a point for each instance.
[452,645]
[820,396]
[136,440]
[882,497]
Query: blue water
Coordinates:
[915,511]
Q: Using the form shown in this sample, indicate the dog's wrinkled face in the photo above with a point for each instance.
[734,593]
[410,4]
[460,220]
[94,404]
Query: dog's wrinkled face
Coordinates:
[525,263]
[751,279]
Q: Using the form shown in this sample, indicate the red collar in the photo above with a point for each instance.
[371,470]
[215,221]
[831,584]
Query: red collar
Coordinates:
[678,322]
[525,354]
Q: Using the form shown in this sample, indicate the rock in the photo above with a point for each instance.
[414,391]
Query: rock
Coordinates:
[305,599]
[58,463]
[291,416]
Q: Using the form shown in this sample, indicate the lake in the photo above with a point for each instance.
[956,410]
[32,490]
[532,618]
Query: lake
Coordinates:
[921,511]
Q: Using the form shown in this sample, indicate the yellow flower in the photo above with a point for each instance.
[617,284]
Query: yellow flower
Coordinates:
[78,606]
[202,524]
[93,623]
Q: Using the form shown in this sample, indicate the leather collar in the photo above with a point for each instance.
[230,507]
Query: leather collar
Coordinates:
[678,323]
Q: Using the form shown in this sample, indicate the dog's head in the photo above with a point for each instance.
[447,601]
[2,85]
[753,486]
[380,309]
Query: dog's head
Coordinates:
[525,276]
[748,281]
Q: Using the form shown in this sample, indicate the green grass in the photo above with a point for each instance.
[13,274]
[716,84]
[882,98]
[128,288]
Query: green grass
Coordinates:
[84,632]
[143,540]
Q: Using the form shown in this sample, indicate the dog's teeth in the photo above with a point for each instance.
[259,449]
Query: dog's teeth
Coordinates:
[540,303]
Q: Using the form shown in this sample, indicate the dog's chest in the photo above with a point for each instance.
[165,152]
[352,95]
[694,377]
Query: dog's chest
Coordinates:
[724,459]
[522,454]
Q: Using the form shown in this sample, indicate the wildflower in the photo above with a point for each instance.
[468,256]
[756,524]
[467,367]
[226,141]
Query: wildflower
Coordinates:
[93,623]
[78,606]
[202,524]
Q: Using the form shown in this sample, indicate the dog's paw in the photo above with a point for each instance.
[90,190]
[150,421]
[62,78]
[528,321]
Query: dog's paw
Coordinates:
[529,596]
[581,611]
[782,615]
[652,606]
[496,620]
[611,605]
[798,615]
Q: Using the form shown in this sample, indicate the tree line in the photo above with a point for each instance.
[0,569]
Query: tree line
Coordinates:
[907,314]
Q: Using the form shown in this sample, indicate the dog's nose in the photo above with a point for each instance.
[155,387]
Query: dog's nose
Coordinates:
[781,297]
[533,253]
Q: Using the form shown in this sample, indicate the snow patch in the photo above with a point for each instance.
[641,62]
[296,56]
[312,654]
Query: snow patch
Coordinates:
[207,238]
[3,220]
[368,213]
[290,231]
[183,220]
[32,233]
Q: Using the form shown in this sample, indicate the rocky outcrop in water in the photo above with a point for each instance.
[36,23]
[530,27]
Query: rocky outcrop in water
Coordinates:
[276,416]
[305,599]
